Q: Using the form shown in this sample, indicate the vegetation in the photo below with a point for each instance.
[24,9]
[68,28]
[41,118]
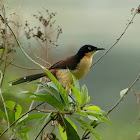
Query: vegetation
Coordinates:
[64,109]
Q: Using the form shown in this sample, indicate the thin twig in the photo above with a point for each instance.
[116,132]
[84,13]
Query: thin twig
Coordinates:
[85,135]
[134,82]
[20,118]
[53,118]
[19,66]
[4,69]
[131,21]
[31,105]
[20,45]
[3,101]
[42,60]
[40,44]
[53,111]
[5,39]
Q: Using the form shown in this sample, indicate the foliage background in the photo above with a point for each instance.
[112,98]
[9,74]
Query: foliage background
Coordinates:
[98,23]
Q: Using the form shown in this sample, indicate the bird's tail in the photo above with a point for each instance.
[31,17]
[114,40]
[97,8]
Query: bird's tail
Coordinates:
[28,78]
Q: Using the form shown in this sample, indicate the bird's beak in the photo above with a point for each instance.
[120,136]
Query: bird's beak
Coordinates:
[100,48]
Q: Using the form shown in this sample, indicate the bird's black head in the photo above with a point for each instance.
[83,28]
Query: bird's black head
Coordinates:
[88,49]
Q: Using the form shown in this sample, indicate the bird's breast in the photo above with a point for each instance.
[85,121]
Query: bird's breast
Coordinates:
[83,67]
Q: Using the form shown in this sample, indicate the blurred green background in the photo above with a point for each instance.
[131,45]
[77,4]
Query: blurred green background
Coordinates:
[98,23]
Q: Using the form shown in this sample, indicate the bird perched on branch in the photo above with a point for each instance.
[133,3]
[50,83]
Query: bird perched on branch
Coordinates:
[79,64]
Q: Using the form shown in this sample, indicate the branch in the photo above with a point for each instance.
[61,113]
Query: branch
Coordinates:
[18,65]
[54,111]
[3,102]
[85,135]
[131,21]
[19,44]
[134,82]
[53,118]
[42,60]
[4,67]
[20,118]
[31,105]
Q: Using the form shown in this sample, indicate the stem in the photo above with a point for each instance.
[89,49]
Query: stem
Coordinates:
[33,101]
[116,40]
[85,135]
[4,68]
[53,118]
[18,65]
[130,87]
[19,44]
[3,101]
[134,82]
[53,111]
[20,118]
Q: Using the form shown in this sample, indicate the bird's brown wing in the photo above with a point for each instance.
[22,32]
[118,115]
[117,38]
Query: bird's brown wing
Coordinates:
[68,63]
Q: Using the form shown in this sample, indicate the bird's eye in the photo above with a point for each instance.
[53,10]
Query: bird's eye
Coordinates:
[89,48]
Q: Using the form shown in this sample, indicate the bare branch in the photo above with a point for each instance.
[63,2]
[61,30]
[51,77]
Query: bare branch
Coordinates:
[131,21]
[134,82]
[53,118]
[4,68]
[20,45]
[85,135]
[3,101]
[19,66]
[20,118]
[42,60]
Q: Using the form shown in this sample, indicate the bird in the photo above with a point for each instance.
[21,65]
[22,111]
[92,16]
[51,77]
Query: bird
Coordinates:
[79,64]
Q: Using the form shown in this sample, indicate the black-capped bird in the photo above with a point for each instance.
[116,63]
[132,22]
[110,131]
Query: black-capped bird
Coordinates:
[79,64]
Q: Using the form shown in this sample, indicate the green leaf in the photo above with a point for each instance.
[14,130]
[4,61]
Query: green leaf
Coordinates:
[96,122]
[51,89]
[23,132]
[48,98]
[25,92]
[72,123]
[76,82]
[1,131]
[80,112]
[84,95]
[83,128]
[89,127]
[70,131]
[30,117]
[94,108]
[106,120]
[62,91]
[42,121]
[101,118]
[104,113]
[92,118]
[88,100]
[77,95]
[2,114]
[2,50]
[123,92]
[11,116]
[16,108]
[42,92]
[94,113]
[62,132]
[24,129]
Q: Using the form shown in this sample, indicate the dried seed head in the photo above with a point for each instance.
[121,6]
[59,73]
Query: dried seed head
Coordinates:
[138,9]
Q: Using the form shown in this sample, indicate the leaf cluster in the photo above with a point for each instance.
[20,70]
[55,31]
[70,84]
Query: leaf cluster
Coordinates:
[88,115]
